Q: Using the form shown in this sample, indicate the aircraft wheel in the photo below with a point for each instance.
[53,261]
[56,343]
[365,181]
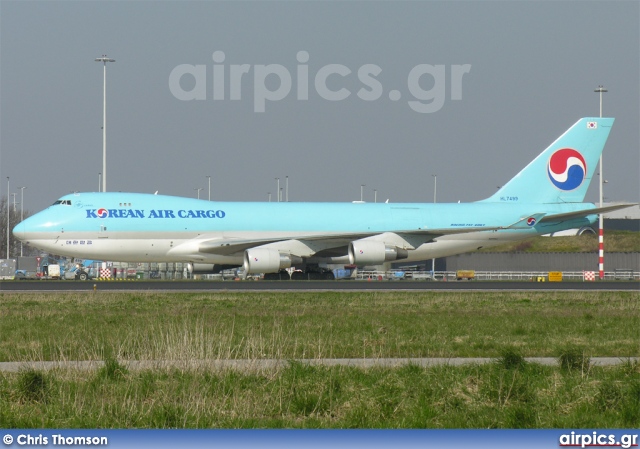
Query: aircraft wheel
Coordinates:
[298,276]
[281,276]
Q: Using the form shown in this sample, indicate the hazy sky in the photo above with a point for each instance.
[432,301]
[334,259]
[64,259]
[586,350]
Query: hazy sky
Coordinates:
[496,81]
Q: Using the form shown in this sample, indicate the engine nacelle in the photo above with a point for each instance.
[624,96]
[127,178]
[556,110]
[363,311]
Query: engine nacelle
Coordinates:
[265,260]
[371,252]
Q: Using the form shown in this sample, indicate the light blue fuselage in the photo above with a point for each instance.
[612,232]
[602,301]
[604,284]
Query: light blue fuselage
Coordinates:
[140,227]
[545,196]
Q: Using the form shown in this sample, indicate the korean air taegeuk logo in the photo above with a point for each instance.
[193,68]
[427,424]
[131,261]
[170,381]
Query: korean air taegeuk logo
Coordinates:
[567,169]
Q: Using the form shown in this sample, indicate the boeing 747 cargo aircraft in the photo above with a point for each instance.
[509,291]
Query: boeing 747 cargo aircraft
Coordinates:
[545,197]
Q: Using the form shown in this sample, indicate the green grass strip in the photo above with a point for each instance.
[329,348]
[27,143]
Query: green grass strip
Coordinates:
[187,326]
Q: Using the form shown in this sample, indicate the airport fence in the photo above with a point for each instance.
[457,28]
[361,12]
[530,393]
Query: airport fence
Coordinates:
[533,276]
[175,272]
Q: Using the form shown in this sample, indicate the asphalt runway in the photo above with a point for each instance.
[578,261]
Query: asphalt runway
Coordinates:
[349,285]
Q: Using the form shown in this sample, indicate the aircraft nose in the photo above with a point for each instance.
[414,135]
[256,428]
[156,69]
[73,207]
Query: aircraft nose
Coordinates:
[19,231]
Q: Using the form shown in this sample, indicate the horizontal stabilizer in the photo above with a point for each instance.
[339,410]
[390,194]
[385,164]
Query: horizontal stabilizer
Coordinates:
[585,212]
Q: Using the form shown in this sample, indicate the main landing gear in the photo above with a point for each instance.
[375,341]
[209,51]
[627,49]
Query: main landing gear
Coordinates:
[280,276]
[311,273]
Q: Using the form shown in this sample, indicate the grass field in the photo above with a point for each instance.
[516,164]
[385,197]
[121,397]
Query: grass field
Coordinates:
[115,327]
[142,326]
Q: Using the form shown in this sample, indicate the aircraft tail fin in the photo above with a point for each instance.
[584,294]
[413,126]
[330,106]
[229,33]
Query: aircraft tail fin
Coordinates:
[562,172]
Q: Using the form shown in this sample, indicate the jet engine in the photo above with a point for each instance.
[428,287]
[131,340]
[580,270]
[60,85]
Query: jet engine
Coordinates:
[266,260]
[371,252]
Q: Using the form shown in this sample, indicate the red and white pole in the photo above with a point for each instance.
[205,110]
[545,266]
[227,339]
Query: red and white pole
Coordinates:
[601,231]
[600,90]
[601,252]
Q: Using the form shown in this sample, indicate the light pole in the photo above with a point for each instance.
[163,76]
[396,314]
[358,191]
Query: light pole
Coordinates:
[198,189]
[7,217]
[362,192]
[21,212]
[209,181]
[278,189]
[104,59]
[435,189]
[286,189]
[99,181]
[600,90]
[435,186]
[375,195]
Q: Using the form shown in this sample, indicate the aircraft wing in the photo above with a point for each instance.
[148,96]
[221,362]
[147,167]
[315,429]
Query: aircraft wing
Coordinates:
[584,212]
[308,245]
[230,246]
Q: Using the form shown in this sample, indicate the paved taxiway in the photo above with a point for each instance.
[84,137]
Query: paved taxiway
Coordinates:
[185,285]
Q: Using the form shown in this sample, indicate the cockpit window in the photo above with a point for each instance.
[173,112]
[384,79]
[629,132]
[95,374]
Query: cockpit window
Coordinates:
[63,202]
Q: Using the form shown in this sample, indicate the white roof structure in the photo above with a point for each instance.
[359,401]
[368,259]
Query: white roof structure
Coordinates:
[630,213]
